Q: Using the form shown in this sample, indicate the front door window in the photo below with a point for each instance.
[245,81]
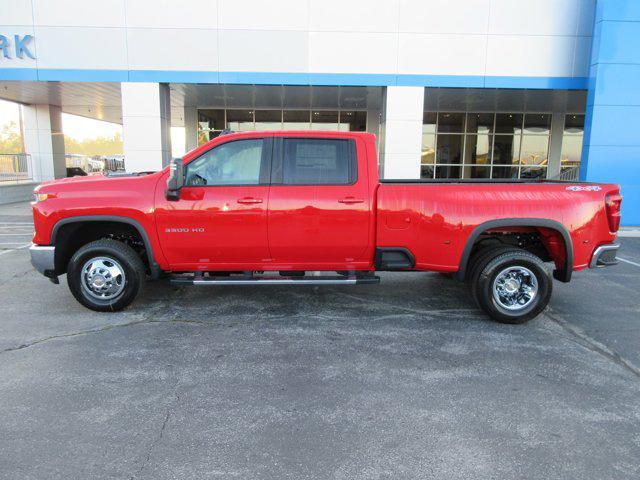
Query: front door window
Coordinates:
[233,163]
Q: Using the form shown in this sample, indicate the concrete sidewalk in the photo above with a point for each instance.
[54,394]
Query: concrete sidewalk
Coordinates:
[629,232]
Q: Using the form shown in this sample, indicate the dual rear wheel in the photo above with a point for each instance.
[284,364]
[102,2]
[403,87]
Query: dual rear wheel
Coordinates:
[510,284]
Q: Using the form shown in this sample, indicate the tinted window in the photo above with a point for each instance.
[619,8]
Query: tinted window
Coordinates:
[233,163]
[310,161]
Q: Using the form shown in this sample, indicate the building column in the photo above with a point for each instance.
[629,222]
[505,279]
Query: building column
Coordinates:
[611,148]
[374,99]
[44,141]
[146,124]
[401,132]
[190,128]
[555,148]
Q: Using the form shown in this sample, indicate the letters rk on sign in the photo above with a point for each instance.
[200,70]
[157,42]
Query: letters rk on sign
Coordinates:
[19,49]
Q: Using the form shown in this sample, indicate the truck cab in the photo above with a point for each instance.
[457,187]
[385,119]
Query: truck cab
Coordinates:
[300,200]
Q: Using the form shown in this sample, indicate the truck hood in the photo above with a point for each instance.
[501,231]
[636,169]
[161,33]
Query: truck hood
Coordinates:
[94,177]
[89,182]
[101,177]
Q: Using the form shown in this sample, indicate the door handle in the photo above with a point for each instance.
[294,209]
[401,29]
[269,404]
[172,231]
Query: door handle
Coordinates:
[350,200]
[249,200]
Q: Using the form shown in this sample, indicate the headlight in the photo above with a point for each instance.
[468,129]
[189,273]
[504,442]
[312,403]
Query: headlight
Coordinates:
[41,197]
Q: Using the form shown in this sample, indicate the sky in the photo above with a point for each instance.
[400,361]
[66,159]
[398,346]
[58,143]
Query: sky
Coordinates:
[8,112]
[82,128]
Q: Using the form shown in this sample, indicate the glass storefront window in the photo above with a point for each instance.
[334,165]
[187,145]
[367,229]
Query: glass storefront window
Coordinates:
[476,151]
[571,152]
[428,152]
[427,171]
[454,144]
[449,171]
[533,172]
[486,144]
[324,120]
[296,119]
[451,122]
[449,149]
[534,150]
[429,122]
[212,121]
[351,121]
[504,172]
[510,123]
[573,124]
[268,120]
[480,123]
[537,124]
[240,120]
[506,150]
[477,172]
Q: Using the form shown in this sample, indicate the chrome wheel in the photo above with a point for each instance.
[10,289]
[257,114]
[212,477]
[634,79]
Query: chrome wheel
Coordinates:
[515,288]
[103,278]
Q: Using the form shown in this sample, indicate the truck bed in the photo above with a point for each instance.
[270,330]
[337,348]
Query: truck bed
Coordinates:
[480,180]
[434,219]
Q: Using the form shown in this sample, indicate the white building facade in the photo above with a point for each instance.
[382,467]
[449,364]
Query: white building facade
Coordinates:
[452,88]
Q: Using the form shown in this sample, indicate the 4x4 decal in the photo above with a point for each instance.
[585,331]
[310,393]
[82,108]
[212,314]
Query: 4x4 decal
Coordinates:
[584,188]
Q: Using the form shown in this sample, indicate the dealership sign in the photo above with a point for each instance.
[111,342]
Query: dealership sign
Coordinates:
[18,48]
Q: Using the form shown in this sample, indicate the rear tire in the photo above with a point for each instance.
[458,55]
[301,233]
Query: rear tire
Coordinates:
[482,257]
[105,275]
[511,285]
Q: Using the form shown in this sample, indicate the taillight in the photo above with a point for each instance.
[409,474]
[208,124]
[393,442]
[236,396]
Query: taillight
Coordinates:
[612,202]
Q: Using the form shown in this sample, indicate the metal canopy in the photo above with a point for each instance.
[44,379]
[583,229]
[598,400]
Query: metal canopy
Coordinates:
[504,100]
[277,96]
[94,100]
[102,101]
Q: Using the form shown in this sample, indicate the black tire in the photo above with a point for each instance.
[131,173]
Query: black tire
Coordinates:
[492,264]
[482,257]
[125,257]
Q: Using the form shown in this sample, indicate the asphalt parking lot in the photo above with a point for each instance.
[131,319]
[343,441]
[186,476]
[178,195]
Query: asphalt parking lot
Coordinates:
[407,379]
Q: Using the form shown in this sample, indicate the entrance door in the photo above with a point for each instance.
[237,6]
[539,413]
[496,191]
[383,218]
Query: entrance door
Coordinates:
[319,204]
[220,220]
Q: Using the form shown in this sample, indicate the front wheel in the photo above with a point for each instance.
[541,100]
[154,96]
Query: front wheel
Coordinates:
[513,286]
[105,275]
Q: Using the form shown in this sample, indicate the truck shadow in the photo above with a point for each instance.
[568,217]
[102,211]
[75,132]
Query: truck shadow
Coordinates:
[419,295]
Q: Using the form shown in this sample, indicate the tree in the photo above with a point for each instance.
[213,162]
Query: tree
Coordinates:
[11,142]
[94,146]
[10,138]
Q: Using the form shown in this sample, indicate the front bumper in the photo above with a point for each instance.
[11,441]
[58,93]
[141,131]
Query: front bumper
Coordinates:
[604,256]
[43,260]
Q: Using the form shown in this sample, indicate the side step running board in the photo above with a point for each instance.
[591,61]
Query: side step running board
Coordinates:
[308,280]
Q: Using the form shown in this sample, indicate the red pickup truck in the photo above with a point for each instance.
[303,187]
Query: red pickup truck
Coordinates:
[264,208]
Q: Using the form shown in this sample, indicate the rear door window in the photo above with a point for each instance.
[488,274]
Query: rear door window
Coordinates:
[311,161]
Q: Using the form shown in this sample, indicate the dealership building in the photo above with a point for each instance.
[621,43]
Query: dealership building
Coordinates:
[453,89]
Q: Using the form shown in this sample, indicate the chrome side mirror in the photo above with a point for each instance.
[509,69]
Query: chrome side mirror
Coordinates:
[176,180]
